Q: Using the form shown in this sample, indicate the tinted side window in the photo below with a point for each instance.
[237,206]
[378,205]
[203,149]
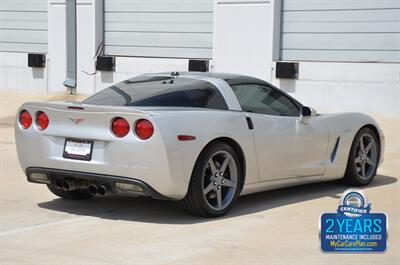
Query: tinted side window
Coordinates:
[161,91]
[264,100]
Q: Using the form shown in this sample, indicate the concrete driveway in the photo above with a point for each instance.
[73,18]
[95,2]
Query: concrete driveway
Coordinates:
[275,227]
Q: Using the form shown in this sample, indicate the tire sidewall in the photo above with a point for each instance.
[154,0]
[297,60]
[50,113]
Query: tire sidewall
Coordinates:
[351,167]
[201,164]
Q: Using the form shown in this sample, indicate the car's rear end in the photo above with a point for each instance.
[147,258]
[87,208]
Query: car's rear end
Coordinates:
[108,149]
[124,139]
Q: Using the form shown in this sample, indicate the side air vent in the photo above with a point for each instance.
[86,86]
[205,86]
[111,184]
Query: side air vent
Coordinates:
[333,155]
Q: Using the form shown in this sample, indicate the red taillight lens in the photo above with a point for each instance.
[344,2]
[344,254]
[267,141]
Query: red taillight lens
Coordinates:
[144,129]
[120,127]
[186,137]
[25,119]
[42,121]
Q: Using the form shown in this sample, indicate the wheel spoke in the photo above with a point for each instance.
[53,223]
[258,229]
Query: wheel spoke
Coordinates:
[371,162]
[212,166]
[209,188]
[358,160]
[368,147]
[362,143]
[220,180]
[363,170]
[228,183]
[219,199]
[224,165]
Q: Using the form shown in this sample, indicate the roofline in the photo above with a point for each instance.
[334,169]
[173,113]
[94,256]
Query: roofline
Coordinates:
[201,75]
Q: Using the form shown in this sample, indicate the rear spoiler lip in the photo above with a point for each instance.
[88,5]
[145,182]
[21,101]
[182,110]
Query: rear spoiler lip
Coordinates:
[78,107]
[64,106]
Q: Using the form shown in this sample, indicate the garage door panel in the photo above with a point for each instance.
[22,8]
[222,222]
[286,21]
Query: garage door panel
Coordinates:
[23,47]
[23,5]
[158,28]
[342,55]
[339,4]
[365,30]
[23,35]
[23,26]
[23,20]
[161,6]
[342,16]
[161,22]
[171,52]
[387,41]
[344,27]
[159,39]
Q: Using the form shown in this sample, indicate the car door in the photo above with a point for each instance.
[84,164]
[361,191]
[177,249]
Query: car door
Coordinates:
[285,146]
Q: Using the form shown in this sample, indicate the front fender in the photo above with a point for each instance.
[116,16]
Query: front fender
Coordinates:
[344,126]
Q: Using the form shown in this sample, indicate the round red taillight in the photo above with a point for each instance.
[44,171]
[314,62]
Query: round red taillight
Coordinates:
[120,127]
[42,121]
[25,119]
[144,129]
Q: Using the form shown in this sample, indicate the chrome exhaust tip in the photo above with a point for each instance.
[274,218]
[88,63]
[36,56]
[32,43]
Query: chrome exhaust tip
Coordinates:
[102,190]
[92,189]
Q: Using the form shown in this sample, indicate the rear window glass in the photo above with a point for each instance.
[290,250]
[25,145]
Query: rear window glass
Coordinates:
[160,91]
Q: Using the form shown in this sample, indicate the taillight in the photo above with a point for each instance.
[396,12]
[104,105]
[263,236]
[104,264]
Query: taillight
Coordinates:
[120,127]
[25,119]
[42,121]
[144,129]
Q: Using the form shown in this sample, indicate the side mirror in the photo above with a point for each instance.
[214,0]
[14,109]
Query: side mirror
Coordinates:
[306,114]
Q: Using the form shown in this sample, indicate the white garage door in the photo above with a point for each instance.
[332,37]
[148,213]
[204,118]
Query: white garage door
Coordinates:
[341,30]
[23,26]
[159,28]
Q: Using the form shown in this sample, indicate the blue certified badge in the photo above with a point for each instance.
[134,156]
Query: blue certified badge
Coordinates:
[353,228]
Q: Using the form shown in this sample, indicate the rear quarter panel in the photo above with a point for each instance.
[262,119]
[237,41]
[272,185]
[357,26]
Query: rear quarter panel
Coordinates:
[206,126]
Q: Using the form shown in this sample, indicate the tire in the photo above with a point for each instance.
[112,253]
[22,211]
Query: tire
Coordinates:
[70,195]
[363,159]
[215,182]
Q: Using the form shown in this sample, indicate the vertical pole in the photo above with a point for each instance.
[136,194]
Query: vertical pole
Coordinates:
[277,30]
[70,81]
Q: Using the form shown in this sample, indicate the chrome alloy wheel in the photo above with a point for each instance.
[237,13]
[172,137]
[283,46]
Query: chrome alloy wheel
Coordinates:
[366,156]
[220,180]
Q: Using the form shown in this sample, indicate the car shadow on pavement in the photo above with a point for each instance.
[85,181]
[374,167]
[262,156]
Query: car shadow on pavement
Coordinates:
[145,209]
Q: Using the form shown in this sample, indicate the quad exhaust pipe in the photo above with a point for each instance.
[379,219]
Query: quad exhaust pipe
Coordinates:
[101,190]
[73,185]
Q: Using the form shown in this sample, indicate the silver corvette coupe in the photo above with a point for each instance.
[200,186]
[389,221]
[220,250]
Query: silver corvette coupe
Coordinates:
[201,139]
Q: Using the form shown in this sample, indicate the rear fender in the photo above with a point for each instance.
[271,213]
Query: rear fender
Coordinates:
[206,126]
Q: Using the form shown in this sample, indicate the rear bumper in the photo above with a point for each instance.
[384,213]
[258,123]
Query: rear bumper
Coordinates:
[98,178]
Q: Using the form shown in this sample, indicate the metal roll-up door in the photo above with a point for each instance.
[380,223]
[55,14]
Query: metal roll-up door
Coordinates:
[341,30]
[158,28]
[23,26]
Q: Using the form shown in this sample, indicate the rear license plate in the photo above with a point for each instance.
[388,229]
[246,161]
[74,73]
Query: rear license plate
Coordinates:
[78,149]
